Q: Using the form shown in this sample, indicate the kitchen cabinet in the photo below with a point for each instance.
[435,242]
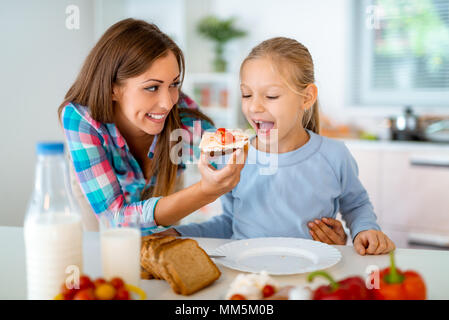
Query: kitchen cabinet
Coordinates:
[369,162]
[416,197]
[407,199]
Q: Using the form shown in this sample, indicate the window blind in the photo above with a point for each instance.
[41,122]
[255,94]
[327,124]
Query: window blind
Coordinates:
[403,52]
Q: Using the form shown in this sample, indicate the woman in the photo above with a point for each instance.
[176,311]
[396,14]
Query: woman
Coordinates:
[118,117]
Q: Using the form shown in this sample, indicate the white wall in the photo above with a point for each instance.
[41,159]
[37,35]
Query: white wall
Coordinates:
[40,59]
[320,25]
[177,18]
[169,16]
[323,26]
[108,12]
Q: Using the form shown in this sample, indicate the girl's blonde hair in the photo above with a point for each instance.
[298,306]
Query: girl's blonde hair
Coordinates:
[295,65]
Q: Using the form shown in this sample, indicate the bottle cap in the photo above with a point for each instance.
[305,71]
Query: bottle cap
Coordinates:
[49,148]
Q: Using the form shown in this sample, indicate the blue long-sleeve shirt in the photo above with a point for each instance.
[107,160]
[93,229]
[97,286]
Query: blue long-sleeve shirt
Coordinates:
[278,194]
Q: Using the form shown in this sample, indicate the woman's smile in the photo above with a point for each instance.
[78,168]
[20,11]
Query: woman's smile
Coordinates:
[156,117]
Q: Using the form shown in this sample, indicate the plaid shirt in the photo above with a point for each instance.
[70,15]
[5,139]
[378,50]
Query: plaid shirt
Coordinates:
[109,175]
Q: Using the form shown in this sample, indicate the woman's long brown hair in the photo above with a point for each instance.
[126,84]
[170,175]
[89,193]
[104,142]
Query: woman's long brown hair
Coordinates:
[127,49]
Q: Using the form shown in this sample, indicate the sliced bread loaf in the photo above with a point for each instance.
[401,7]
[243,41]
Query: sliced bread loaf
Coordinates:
[151,257]
[186,266]
[146,271]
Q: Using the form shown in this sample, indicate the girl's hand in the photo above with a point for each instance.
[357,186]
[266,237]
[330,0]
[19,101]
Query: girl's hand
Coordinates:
[328,230]
[373,242]
[215,183]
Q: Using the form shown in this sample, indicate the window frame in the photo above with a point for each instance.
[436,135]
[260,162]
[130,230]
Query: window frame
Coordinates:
[362,94]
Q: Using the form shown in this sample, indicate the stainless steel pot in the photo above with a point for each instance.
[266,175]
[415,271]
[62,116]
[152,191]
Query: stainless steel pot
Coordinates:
[438,131]
[406,126]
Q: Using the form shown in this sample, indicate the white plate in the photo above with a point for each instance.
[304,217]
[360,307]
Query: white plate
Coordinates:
[277,256]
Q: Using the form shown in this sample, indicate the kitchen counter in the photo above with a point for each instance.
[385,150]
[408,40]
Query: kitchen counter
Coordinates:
[431,264]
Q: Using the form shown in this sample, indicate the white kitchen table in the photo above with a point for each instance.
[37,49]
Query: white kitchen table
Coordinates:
[433,265]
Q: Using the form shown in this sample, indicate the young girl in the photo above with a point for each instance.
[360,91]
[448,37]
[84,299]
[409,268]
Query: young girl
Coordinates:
[316,176]
[118,117]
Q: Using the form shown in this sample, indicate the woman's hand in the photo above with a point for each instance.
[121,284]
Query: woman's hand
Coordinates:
[328,230]
[215,183]
[373,242]
[169,232]
[212,185]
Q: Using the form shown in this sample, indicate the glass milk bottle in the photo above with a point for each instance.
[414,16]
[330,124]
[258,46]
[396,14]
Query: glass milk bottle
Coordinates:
[52,228]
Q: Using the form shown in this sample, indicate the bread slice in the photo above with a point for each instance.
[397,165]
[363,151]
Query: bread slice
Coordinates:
[143,261]
[149,237]
[147,269]
[181,262]
[150,258]
[162,271]
[211,142]
[145,274]
[189,267]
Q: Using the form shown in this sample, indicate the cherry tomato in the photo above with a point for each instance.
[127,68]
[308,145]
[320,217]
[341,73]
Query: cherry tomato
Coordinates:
[105,291]
[122,294]
[117,283]
[268,291]
[226,136]
[67,294]
[229,138]
[99,282]
[85,282]
[86,294]
[237,297]
[221,130]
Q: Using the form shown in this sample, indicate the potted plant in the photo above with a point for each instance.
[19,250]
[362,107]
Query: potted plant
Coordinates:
[221,32]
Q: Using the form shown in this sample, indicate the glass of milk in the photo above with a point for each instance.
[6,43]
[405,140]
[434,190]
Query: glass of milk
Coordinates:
[120,245]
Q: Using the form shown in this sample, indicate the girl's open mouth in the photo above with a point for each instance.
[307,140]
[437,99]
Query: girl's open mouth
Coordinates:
[263,127]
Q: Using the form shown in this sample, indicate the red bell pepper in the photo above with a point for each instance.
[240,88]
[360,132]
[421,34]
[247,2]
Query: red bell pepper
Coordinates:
[397,285]
[353,288]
